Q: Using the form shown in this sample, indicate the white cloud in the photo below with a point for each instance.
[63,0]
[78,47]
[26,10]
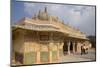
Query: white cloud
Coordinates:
[87,23]
[28,8]
[29,4]
[54,9]
[82,17]
[75,15]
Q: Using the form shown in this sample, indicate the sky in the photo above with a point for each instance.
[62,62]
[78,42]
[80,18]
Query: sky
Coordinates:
[81,17]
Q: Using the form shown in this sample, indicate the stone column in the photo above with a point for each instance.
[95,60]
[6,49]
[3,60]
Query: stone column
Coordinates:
[50,48]
[38,57]
[69,47]
[50,56]
[38,51]
[78,47]
[73,47]
[58,51]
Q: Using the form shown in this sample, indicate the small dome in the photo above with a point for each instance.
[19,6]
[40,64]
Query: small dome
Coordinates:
[43,15]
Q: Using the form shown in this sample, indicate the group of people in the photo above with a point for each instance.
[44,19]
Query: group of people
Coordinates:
[84,49]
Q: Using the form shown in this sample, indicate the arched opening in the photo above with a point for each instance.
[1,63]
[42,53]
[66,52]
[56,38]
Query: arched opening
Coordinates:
[71,47]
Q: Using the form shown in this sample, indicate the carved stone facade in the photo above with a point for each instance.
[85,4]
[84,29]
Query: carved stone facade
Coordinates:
[44,39]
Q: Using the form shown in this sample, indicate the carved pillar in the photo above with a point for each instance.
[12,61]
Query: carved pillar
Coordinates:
[38,51]
[58,51]
[69,47]
[50,46]
[38,57]
[73,47]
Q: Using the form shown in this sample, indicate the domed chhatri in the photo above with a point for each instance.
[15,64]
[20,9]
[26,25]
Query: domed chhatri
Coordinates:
[44,15]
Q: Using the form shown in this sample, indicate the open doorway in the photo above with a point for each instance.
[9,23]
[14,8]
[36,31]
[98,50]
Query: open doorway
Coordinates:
[71,47]
[65,48]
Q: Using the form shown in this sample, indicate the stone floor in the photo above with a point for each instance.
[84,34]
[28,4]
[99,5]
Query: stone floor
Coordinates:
[78,57]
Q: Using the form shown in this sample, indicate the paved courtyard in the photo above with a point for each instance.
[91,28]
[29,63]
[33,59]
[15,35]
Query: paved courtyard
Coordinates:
[78,57]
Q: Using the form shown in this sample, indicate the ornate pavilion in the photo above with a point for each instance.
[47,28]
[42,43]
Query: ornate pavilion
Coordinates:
[44,39]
